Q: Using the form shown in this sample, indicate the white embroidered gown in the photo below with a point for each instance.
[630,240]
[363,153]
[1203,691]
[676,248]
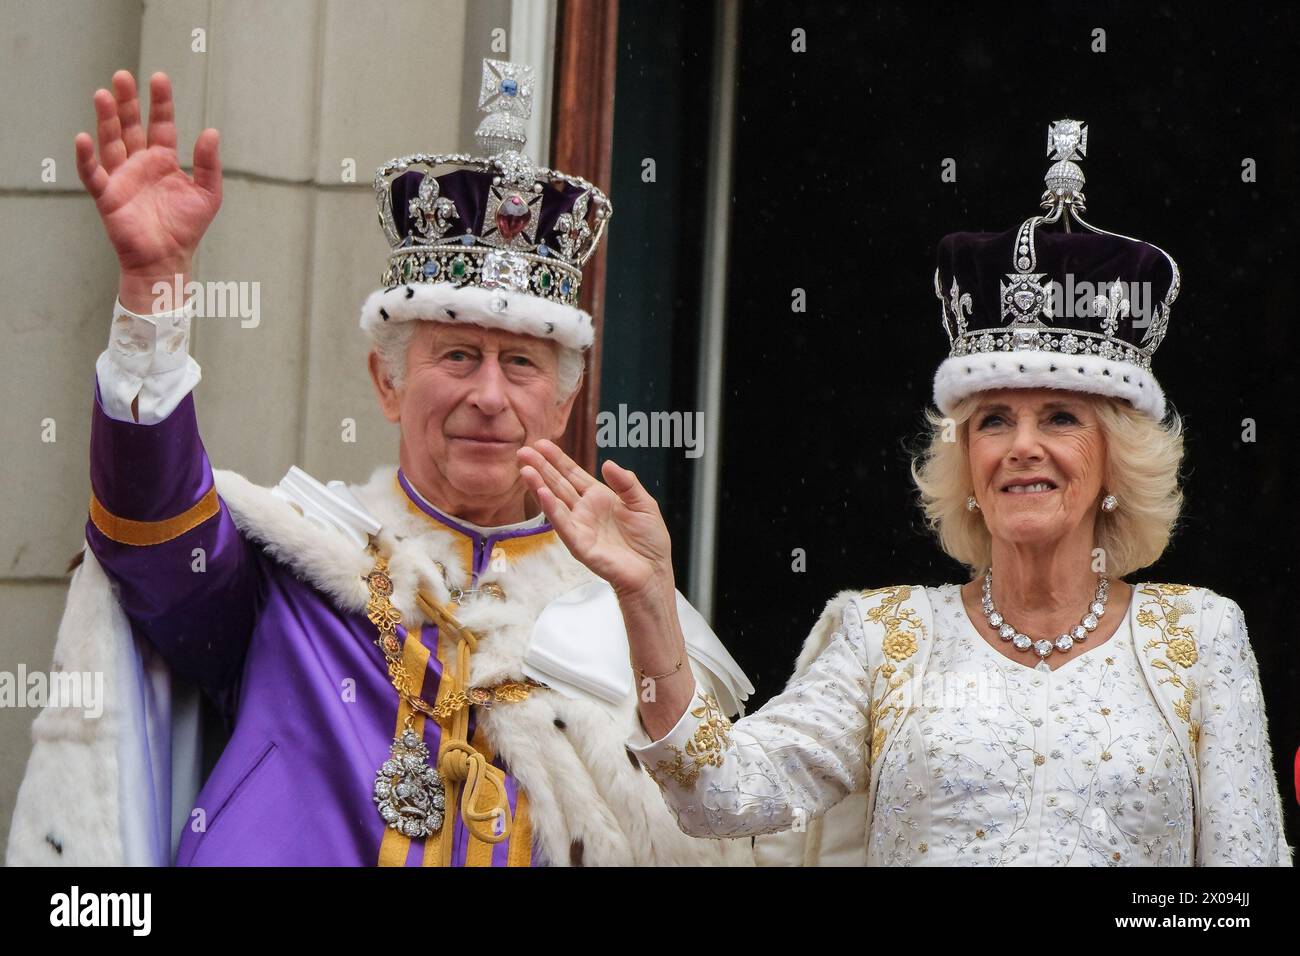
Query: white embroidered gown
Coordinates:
[998,764]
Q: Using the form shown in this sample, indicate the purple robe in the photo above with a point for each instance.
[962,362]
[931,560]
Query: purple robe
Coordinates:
[301,682]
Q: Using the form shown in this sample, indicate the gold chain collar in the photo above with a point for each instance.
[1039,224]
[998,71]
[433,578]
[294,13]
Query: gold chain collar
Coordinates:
[381,613]
[484,803]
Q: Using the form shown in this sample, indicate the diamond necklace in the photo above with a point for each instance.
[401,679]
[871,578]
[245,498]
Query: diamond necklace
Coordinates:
[1044,647]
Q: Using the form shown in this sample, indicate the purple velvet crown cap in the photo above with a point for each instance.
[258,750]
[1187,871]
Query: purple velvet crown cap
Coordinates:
[468,189]
[1039,308]
[980,263]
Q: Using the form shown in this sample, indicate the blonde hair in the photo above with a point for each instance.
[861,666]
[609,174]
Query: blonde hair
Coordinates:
[1143,457]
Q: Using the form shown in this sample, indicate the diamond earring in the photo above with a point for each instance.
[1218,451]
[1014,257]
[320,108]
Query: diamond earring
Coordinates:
[972,504]
[1109,503]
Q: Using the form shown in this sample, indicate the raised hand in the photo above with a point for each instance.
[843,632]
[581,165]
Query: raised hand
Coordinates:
[154,214]
[615,529]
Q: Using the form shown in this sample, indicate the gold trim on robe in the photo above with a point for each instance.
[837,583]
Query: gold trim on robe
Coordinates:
[145,533]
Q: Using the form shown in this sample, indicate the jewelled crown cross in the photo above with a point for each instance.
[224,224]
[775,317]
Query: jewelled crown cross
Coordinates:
[506,96]
[1067,141]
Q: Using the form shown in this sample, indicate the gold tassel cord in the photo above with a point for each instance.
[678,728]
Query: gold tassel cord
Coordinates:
[458,761]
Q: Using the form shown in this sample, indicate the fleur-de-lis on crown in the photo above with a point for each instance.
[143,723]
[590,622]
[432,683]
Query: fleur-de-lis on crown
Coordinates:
[572,228]
[957,302]
[1155,333]
[1112,307]
[961,305]
[430,213]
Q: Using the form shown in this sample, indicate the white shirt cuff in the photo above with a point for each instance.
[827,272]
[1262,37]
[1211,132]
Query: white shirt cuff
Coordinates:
[147,358]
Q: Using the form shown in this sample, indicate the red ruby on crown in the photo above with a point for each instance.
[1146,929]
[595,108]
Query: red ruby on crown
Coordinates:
[512,216]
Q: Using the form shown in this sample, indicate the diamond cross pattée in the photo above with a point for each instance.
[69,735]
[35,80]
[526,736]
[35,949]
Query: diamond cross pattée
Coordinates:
[1067,139]
[507,88]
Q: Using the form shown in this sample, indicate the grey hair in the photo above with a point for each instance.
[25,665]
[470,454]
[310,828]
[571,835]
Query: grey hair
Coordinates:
[393,339]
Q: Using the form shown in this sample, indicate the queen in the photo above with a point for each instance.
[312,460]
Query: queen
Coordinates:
[1102,723]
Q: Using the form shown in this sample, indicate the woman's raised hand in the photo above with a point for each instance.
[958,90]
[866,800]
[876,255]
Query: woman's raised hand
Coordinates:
[153,212]
[615,529]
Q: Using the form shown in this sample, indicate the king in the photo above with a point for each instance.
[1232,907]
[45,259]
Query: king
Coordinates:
[410,671]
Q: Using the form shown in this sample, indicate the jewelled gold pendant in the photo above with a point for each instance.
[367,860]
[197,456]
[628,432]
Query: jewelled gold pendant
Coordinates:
[408,791]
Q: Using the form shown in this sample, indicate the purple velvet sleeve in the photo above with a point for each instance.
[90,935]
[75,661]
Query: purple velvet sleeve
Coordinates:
[186,578]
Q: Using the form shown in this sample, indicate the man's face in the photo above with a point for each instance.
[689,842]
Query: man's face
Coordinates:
[471,397]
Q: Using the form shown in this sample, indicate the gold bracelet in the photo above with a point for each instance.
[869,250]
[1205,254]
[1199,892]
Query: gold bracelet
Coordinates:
[680,659]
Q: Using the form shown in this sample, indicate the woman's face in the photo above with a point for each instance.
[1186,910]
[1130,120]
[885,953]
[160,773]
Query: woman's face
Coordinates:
[1037,461]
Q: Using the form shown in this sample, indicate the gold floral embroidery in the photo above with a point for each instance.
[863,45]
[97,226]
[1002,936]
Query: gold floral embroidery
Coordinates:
[1163,612]
[899,643]
[891,587]
[1182,652]
[902,627]
[879,707]
[704,749]
[900,646]
[877,741]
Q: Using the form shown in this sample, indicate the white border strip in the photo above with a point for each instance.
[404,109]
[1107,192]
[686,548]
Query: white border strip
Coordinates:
[532,41]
